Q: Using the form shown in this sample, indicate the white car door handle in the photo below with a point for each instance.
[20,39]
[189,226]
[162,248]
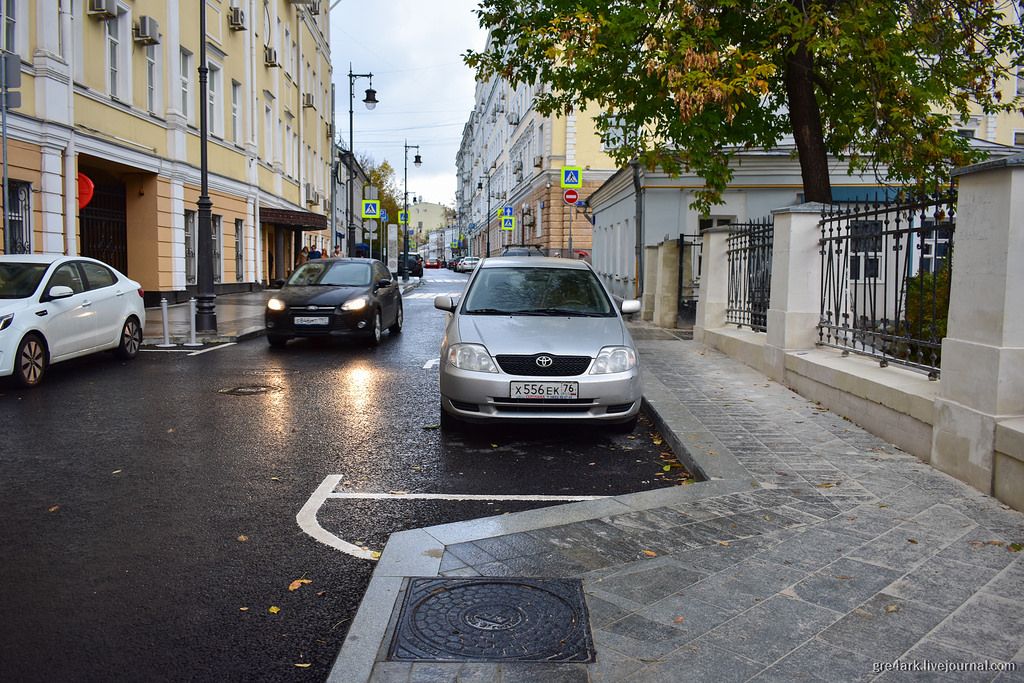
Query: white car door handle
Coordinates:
[120,293]
[86,304]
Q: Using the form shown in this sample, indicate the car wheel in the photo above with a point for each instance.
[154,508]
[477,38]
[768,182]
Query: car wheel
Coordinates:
[625,427]
[399,319]
[276,341]
[30,362]
[376,330]
[449,423]
[131,339]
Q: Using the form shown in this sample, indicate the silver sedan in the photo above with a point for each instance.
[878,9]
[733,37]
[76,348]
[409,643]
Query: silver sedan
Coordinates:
[538,339]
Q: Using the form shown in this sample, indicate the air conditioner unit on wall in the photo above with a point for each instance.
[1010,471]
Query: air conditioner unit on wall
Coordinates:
[103,9]
[270,56]
[307,99]
[147,31]
[513,118]
[236,19]
[538,162]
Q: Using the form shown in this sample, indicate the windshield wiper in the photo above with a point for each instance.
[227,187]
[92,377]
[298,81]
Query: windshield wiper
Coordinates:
[489,311]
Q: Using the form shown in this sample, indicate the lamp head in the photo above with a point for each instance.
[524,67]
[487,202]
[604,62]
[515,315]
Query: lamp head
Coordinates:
[371,98]
[417,161]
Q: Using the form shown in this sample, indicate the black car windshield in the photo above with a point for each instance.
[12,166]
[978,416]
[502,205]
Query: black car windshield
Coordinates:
[19,280]
[537,291]
[331,274]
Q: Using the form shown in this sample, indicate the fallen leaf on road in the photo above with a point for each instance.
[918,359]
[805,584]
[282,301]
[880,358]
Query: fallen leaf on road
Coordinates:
[494,445]
[892,608]
[843,577]
[723,543]
[243,609]
[432,426]
[826,485]
[298,583]
[170,430]
[679,620]
[303,666]
[911,540]
[117,471]
[243,538]
[53,508]
[274,609]
[374,555]
[1015,547]
[657,441]
[321,594]
[650,553]
[666,468]
[275,479]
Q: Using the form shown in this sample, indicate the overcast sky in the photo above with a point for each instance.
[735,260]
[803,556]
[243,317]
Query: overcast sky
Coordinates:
[413,49]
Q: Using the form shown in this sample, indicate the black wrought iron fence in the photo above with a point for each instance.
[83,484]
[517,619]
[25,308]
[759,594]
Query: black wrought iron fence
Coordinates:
[749,255]
[886,277]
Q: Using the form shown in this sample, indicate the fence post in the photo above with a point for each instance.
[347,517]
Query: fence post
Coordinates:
[795,306]
[714,282]
[666,302]
[982,385]
[164,325]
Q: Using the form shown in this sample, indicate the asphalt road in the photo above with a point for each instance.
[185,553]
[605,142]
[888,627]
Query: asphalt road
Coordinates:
[149,517]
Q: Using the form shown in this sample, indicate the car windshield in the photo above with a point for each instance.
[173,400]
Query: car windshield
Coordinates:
[331,274]
[19,280]
[537,291]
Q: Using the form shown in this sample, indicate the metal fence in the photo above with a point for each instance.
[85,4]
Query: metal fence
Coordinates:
[749,255]
[886,276]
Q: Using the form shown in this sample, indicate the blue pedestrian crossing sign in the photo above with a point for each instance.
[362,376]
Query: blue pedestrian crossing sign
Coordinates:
[371,208]
[572,177]
[508,223]
[403,217]
[383,215]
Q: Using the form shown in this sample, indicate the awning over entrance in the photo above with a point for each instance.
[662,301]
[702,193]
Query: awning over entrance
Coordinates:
[299,220]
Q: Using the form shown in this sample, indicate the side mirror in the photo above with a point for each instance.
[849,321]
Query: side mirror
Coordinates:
[60,292]
[278,284]
[383,283]
[444,303]
[629,306]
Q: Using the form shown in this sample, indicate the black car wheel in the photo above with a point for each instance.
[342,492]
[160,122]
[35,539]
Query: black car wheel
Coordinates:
[30,362]
[276,341]
[376,330]
[131,339]
[399,319]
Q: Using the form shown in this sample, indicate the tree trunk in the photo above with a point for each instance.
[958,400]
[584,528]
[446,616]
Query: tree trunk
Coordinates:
[805,116]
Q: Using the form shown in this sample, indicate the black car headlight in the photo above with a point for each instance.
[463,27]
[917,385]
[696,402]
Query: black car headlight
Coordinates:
[357,304]
[275,305]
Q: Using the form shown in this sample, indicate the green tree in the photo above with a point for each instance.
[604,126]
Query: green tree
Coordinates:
[685,84]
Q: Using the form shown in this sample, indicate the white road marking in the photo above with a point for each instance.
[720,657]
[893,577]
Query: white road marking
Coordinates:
[212,348]
[167,350]
[308,522]
[432,363]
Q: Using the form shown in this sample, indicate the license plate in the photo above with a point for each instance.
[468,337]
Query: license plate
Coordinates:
[535,390]
[309,320]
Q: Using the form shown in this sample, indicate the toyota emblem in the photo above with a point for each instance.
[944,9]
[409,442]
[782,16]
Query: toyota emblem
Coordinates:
[544,361]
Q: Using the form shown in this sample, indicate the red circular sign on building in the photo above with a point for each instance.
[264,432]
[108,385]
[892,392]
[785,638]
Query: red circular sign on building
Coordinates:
[85,190]
[570,196]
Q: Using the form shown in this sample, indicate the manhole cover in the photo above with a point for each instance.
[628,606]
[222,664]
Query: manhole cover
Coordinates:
[249,390]
[493,619]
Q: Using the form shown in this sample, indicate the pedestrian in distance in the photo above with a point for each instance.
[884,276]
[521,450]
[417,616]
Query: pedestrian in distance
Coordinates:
[314,253]
[337,251]
[302,257]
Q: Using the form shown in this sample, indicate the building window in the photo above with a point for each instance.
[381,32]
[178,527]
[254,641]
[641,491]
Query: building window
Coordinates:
[1018,138]
[236,112]
[965,132]
[19,216]
[186,83]
[268,134]
[217,239]
[239,253]
[214,100]
[152,79]
[190,247]
[1020,80]
[865,250]
[10,26]
[113,53]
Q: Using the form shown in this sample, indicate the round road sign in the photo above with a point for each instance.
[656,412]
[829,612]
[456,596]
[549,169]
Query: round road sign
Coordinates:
[570,196]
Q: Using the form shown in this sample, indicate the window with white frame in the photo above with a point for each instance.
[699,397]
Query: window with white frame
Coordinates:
[236,112]
[865,250]
[113,57]
[11,25]
[287,61]
[215,99]
[539,220]
[153,79]
[239,251]
[191,238]
[1018,138]
[217,239]
[185,83]
[1020,80]
[268,127]
[289,155]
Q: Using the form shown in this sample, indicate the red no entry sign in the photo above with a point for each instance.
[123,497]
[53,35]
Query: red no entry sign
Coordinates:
[570,196]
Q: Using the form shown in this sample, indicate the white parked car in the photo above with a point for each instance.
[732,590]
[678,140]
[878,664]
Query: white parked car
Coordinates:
[468,264]
[53,308]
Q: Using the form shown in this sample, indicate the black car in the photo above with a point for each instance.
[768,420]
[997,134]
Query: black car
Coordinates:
[414,265]
[335,298]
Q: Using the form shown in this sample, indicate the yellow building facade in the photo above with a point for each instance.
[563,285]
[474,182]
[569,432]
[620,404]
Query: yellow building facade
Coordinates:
[110,105]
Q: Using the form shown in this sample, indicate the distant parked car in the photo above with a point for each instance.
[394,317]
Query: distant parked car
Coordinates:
[414,265]
[335,298]
[432,263]
[54,308]
[538,339]
[467,264]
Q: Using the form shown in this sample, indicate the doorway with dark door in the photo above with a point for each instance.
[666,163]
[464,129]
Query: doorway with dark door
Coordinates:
[103,223]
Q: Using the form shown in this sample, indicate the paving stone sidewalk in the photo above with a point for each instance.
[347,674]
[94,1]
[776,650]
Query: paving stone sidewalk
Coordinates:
[836,554]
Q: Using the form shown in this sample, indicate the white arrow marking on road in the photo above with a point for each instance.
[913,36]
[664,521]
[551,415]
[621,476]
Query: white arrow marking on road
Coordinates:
[308,522]
[432,363]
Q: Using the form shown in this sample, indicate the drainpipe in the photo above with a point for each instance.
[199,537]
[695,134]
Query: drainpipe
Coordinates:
[638,194]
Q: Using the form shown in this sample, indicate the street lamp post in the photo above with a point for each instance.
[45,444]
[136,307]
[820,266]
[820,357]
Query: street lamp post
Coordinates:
[370,101]
[403,269]
[206,312]
[487,222]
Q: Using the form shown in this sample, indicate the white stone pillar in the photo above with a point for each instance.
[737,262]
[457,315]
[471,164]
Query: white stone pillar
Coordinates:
[714,282]
[795,307]
[983,352]
[650,282]
[666,300]
[51,200]
[178,275]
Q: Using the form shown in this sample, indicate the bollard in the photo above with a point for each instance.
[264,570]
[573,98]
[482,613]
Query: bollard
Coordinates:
[167,335]
[192,323]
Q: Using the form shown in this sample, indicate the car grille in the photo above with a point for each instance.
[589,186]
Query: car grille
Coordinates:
[543,405]
[561,366]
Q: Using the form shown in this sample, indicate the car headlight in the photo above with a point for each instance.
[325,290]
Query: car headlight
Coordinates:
[471,357]
[275,305]
[614,359]
[6,321]
[357,304]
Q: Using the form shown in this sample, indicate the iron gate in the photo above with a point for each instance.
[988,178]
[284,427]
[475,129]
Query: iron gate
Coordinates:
[19,214]
[105,227]
[749,255]
[689,278]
